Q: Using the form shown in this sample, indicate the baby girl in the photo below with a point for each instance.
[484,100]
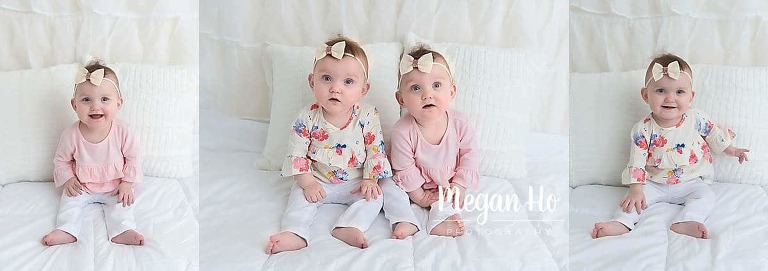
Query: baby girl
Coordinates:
[432,146]
[671,154]
[336,147]
[97,161]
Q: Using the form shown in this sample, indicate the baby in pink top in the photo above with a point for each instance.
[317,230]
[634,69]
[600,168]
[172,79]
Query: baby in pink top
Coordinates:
[432,145]
[97,161]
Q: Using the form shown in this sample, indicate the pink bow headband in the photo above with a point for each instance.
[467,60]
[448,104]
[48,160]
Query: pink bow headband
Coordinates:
[672,70]
[96,77]
[423,64]
[336,51]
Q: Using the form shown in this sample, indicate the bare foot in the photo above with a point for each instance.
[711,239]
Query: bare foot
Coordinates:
[285,241]
[404,229]
[129,237]
[451,226]
[58,237]
[691,228]
[610,228]
[351,236]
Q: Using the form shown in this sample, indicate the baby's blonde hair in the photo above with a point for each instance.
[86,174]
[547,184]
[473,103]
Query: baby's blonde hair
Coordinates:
[664,60]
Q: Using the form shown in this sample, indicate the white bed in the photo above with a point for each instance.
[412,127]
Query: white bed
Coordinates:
[163,215]
[242,206]
[723,42]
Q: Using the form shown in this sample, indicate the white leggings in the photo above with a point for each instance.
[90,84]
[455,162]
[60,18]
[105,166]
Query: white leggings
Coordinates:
[397,205]
[118,218]
[696,196]
[300,213]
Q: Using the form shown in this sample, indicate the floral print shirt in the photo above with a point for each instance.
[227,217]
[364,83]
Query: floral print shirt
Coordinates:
[335,155]
[675,154]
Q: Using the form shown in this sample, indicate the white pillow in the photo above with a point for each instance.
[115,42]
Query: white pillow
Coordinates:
[606,105]
[290,91]
[493,87]
[160,105]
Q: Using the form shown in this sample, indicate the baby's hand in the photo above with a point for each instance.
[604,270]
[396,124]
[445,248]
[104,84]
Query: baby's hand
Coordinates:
[74,187]
[423,198]
[462,190]
[635,198]
[124,193]
[368,188]
[314,192]
[737,152]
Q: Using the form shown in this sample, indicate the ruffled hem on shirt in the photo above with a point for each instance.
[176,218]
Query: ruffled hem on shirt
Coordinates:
[62,175]
[466,178]
[100,173]
[289,170]
[377,168]
[132,173]
[409,179]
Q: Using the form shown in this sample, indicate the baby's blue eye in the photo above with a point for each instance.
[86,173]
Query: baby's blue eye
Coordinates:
[349,81]
[680,92]
[326,78]
[415,88]
[661,90]
[436,85]
[104,99]
[86,99]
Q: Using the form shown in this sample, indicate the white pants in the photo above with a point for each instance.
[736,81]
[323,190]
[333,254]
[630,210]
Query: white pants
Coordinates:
[300,213]
[117,217]
[696,196]
[397,205]
[436,215]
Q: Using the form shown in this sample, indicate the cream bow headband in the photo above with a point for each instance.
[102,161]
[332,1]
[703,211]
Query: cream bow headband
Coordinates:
[337,51]
[96,78]
[672,70]
[423,64]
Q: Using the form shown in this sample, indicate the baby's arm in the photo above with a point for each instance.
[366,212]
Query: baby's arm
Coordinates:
[131,170]
[635,174]
[719,139]
[376,165]
[297,164]
[64,162]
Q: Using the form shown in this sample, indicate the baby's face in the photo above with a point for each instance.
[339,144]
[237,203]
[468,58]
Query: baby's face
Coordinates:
[338,84]
[426,96]
[96,106]
[669,99]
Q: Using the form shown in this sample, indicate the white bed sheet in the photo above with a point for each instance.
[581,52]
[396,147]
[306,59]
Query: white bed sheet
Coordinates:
[163,215]
[242,206]
[738,229]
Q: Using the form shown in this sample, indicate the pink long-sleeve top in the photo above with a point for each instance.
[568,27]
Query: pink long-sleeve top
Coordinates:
[417,163]
[99,166]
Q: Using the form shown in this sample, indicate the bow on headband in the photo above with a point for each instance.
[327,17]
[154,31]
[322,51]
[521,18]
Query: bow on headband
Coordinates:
[672,70]
[337,51]
[424,63]
[96,78]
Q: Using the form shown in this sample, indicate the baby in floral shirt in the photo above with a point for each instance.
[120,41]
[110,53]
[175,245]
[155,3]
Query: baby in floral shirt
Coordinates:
[671,154]
[336,151]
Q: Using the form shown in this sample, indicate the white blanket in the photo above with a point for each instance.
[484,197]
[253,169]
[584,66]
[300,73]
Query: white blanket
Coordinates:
[162,213]
[738,231]
[242,207]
